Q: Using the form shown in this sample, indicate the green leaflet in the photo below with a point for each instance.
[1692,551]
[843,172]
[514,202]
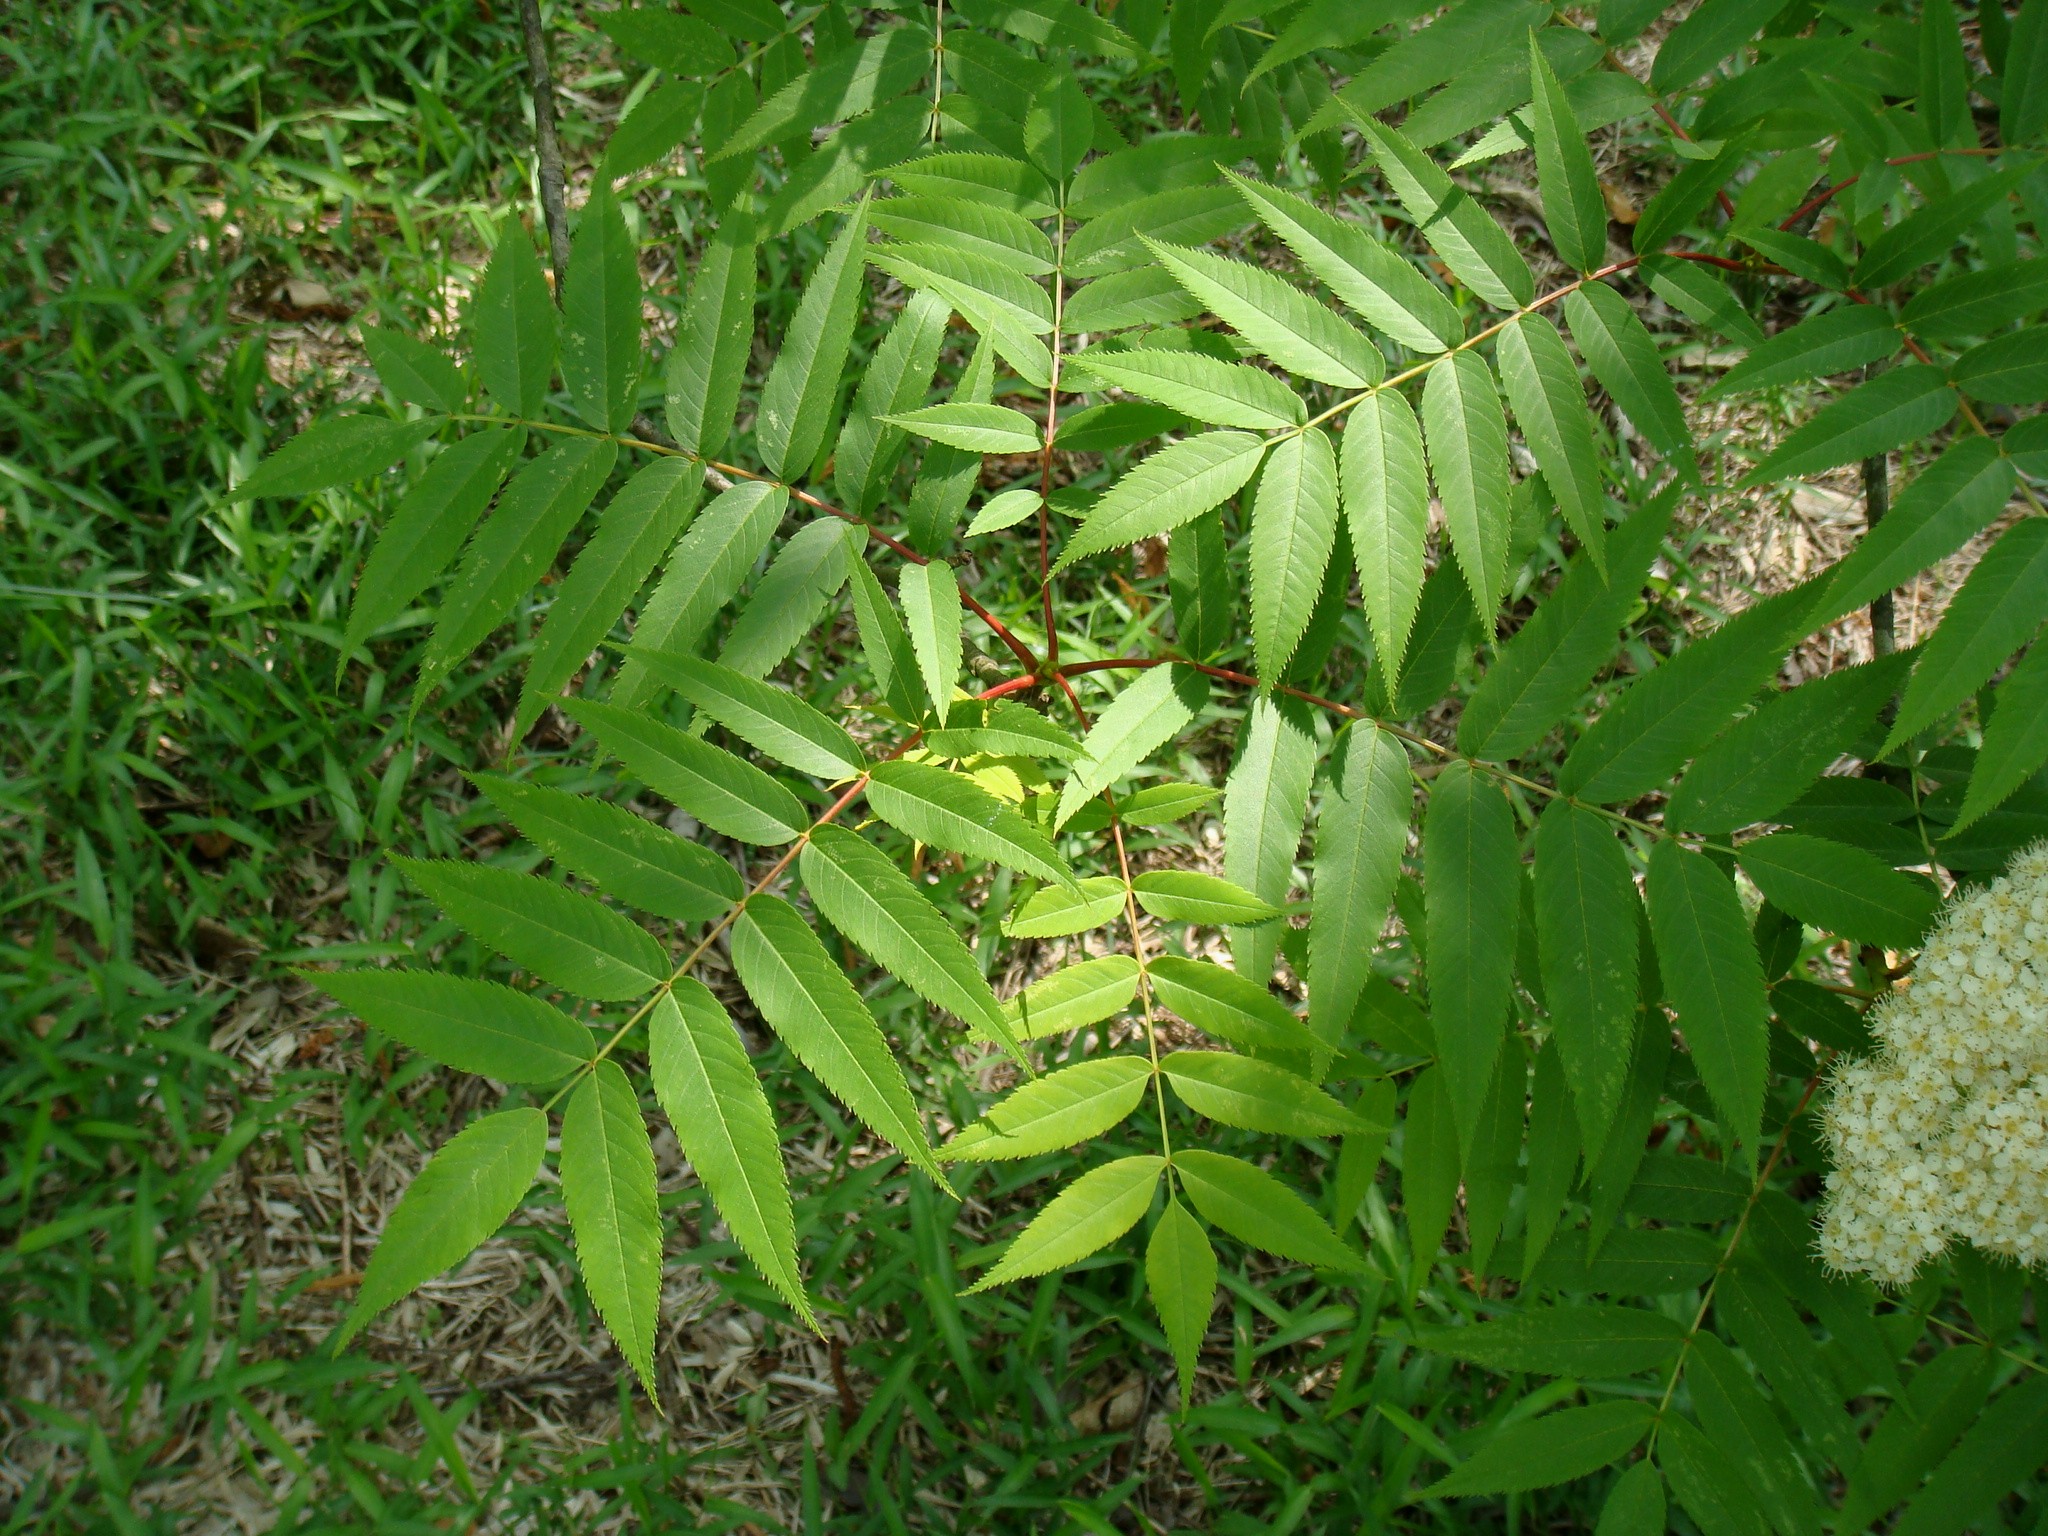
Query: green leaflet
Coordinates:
[1467,437]
[1150,712]
[895,380]
[2015,738]
[568,939]
[726,793]
[2000,607]
[770,719]
[1005,509]
[1173,486]
[1635,1505]
[1623,357]
[1556,1448]
[2007,370]
[1929,234]
[1612,1173]
[1542,384]
[703,574]
[1429,1171]
[1052,25]
[977,428]
[1678,203]
[1256,1208]
[1006,729]
[1061,1109]
[334,452]
[1938,1404]
[472,1026]
[427,528]
[601,318]
[682,45]
[1472,897]
[930,595]
[1700,42]
[979,228]
[1573,206]
[458,1200]
[1427,58]
[807,1000]
[1275,317]
[1829,343]
[1072,998]
[947,476]
[414,371]
[1709,1486]
[803,578]
[608,1187]
[1477,250]
[1053,911]
[998,180]
[1386,506]
[1676,709]
[954,813]
[1114,241]
[1183,896]
[1714,981]
[1489,1167]
[1553,1156]
[803,386]
[510,553]
[1228,1006]
[1743,1427]
[1587,925]
[1294,527]
[1208,389]
[714,1099]
[1265,805]
[709,360]
[1367,274]
[1590,1339]
[847,84]
[1897,407]
[860,891]
[1777,1342]
[885,645]
[629,857]
[1542,672]
[1180,1273]
[511,325]
[1257,1095]
[2003,1447]
[1947,503]
[1361,833]
[656,128]
[1841,889]
[1199,585]
[1764,761]
[1978,302]
[1089,1214]
[643,520]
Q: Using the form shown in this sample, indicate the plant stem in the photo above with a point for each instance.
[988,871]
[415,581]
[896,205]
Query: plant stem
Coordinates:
[553,186]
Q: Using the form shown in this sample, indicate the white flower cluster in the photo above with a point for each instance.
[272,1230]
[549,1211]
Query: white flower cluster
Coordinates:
[1943,1133]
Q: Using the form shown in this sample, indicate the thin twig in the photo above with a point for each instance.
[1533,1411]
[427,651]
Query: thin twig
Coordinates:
[554,206]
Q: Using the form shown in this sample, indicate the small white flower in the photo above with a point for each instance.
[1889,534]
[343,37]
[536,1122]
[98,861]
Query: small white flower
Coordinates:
[1943,1134]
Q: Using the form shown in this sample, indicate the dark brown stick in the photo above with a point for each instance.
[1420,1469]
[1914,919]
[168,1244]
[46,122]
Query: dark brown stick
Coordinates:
[553,187]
